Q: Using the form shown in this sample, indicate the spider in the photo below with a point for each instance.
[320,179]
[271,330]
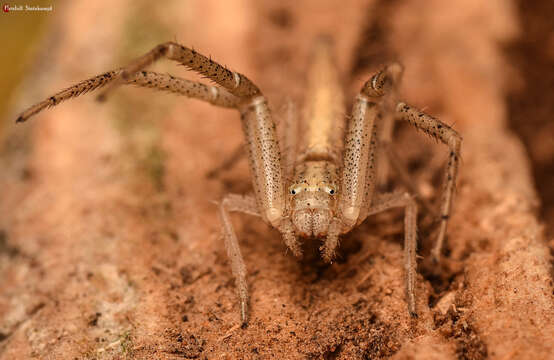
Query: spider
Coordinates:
[325,183]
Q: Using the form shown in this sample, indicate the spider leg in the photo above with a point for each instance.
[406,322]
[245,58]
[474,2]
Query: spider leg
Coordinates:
[329,247]
[257,124]
[375,89]
[385,84]
[358,180]
[244,204]
[383,202]
[288,134]
[214,95]
[448,136]
[400,170]
[236,83]
[149,79]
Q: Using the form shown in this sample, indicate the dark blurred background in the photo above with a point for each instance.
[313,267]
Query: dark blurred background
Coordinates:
[531,103]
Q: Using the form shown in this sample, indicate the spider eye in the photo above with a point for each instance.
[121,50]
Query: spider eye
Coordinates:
[295,190]
[330,190]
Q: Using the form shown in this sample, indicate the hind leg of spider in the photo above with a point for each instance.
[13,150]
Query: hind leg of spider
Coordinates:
[448,136]
[383,202]
[400,170]
[228,163]
[247,205]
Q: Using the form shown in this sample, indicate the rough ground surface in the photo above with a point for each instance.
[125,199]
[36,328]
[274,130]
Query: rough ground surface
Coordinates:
[110,244]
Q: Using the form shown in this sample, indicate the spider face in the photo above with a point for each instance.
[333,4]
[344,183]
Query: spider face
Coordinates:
[313,198]
[311,214]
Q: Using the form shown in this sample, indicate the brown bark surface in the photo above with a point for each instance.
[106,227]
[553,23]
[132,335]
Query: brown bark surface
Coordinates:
[110,244]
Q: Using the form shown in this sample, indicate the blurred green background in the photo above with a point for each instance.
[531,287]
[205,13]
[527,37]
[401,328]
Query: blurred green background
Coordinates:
[21,30]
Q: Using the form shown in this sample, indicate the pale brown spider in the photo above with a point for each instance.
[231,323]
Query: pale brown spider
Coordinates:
[329,193]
